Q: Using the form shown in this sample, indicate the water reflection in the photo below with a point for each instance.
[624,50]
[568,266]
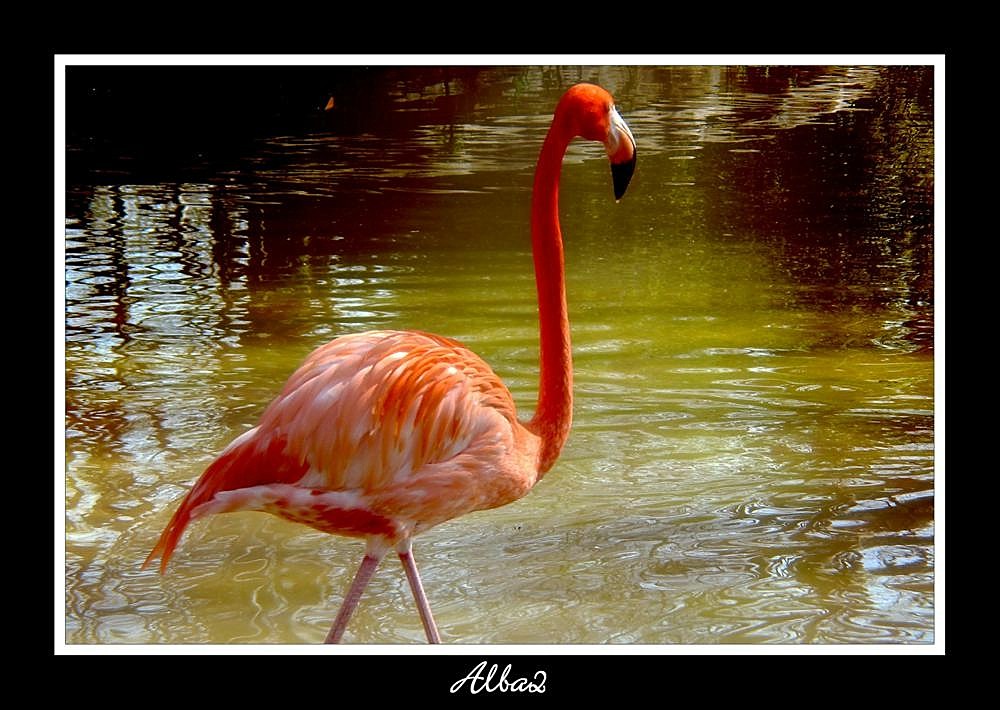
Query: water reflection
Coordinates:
[753,330]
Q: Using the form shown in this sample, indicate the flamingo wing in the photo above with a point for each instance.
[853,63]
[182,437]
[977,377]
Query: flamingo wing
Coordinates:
[378,433]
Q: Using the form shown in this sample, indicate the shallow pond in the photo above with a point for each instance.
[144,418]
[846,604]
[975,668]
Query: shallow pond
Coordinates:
[752,458]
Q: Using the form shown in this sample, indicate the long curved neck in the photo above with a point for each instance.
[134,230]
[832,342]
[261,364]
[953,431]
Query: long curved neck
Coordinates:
[554,413]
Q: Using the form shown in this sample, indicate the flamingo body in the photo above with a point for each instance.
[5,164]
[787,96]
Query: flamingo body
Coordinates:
[381,433]
[384,434]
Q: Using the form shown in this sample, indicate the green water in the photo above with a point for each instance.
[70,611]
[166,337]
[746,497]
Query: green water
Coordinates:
[752,457]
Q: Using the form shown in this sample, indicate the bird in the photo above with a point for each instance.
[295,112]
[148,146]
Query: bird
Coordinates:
[382,435]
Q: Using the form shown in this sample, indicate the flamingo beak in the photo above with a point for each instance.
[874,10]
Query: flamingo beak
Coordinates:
[621,151]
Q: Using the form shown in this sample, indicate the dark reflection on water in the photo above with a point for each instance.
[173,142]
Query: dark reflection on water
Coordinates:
[753,334]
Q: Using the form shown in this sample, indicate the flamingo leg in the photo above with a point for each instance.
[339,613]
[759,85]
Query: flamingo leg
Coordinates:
[365,571]
[413,576]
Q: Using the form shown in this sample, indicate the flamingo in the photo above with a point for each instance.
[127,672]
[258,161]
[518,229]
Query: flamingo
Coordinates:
[384,434]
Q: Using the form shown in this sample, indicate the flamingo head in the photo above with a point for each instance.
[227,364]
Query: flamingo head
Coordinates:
[592,115]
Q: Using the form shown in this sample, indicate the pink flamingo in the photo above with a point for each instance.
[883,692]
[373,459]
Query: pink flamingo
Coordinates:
[385,434]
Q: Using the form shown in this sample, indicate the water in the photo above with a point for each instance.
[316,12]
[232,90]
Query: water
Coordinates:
[752,458]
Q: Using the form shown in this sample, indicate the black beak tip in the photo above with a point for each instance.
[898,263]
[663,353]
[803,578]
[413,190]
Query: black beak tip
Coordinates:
[621,174]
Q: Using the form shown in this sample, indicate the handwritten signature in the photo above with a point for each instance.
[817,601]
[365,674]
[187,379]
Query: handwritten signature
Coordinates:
[478,682]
